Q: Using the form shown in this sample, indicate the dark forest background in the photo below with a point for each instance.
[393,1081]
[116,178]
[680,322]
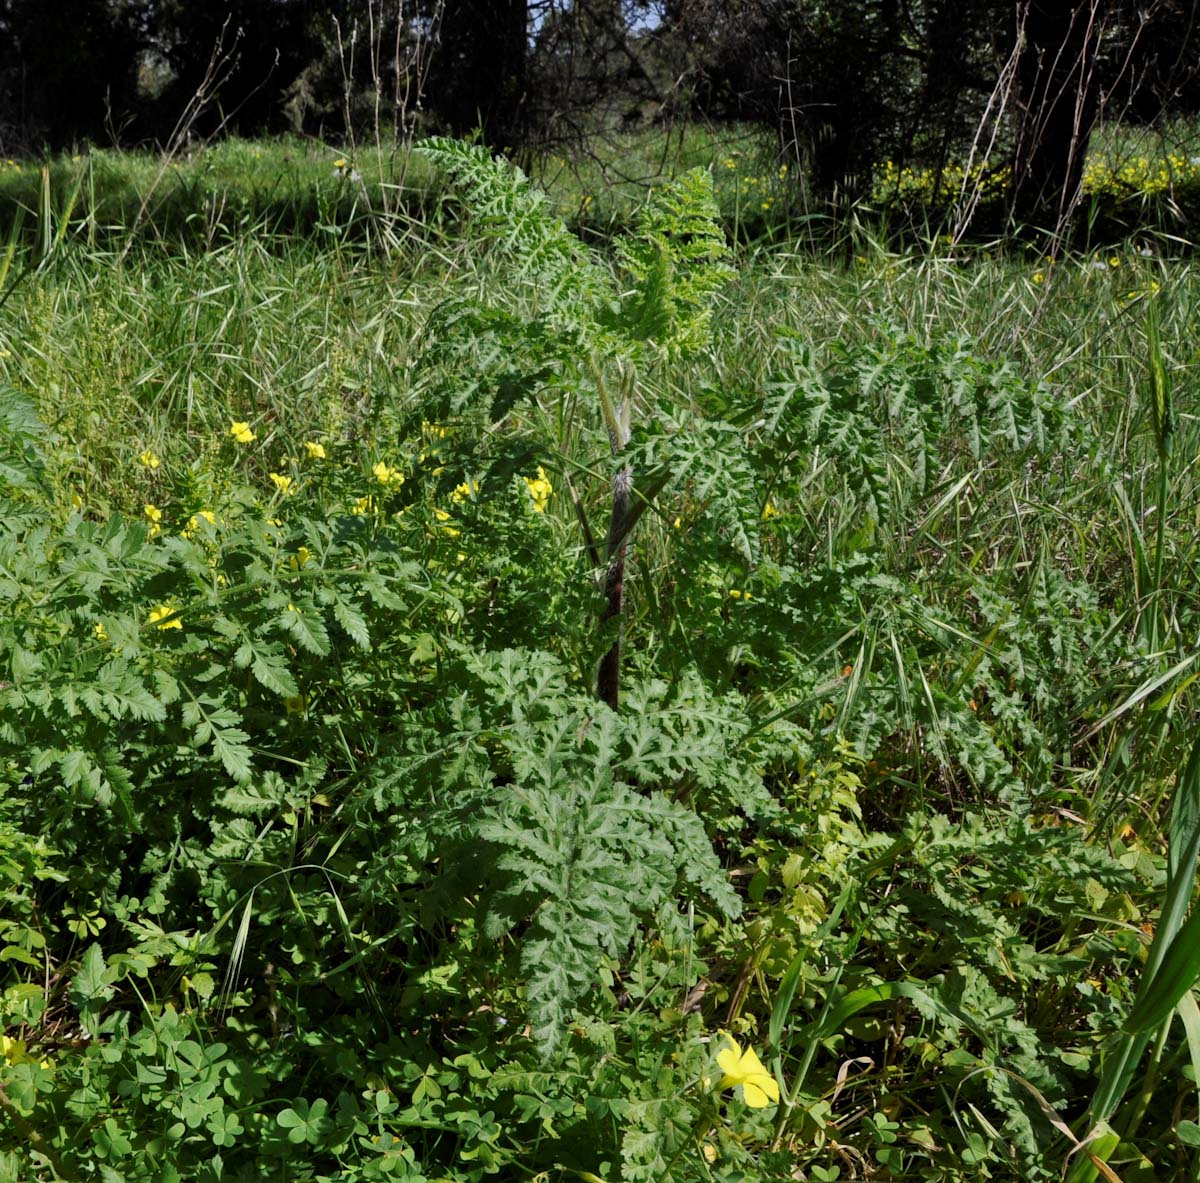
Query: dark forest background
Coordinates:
[844,85]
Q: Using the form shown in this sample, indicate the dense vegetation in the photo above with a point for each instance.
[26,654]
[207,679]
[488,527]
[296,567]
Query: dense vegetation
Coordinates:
[321,856]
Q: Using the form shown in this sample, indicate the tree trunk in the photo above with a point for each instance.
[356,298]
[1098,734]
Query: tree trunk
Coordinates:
[479,77]
[1058,97]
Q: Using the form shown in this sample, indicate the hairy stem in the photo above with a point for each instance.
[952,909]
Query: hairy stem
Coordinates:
[608,681]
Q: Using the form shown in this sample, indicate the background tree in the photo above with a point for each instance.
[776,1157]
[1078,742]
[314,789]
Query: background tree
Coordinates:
[479,76]
[68,69]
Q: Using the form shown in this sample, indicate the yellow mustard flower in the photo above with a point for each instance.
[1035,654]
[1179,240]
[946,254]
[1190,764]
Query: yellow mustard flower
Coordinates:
[148,459]
[540,489]
[362,505]
[154,517]
[101,631]
[159,616]
[240,430]
[300,558]
[284,484]
[464,492]
[315,450]
[745,1069]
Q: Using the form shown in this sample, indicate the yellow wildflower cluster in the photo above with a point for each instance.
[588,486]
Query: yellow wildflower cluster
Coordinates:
[154,517]
[1141,176]
[193,525]
[315,450]
[927,186]
[540,489]
[386,475]
[285,485]
[240,430]
[148,459]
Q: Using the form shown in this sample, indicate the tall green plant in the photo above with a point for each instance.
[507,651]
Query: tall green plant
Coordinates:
[592,323]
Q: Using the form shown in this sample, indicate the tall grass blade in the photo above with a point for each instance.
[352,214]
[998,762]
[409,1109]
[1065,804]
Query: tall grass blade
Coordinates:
[1173,962]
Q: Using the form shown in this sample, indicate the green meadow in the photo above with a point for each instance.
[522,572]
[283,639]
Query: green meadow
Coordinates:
[329,482]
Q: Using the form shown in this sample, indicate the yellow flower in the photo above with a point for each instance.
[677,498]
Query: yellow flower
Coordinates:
[154,516]
[464,492]
[363,505]
[735,594]
[194,522]
[387,476]
[284,484]
[101,631]
[540,489]
[15,1053]
[443,516]
[300,558]
[769,512]
[161,613]
[241,432]
[744,1068]
[1114,261]
[315,451]
[148,459]
[1039,277]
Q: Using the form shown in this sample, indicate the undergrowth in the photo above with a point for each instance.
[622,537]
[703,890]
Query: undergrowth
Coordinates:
[322,858]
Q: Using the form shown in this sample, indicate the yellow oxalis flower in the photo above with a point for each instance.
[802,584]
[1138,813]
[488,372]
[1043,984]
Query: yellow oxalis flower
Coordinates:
[240,430]
[540,489]
[161,613]
[744,1068]
[284,484]
[315,451]
[387,476]
[15,1053]
[148,459]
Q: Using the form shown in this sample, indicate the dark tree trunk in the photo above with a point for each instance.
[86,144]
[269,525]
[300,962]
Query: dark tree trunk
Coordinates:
[1058,96]
[479,77]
